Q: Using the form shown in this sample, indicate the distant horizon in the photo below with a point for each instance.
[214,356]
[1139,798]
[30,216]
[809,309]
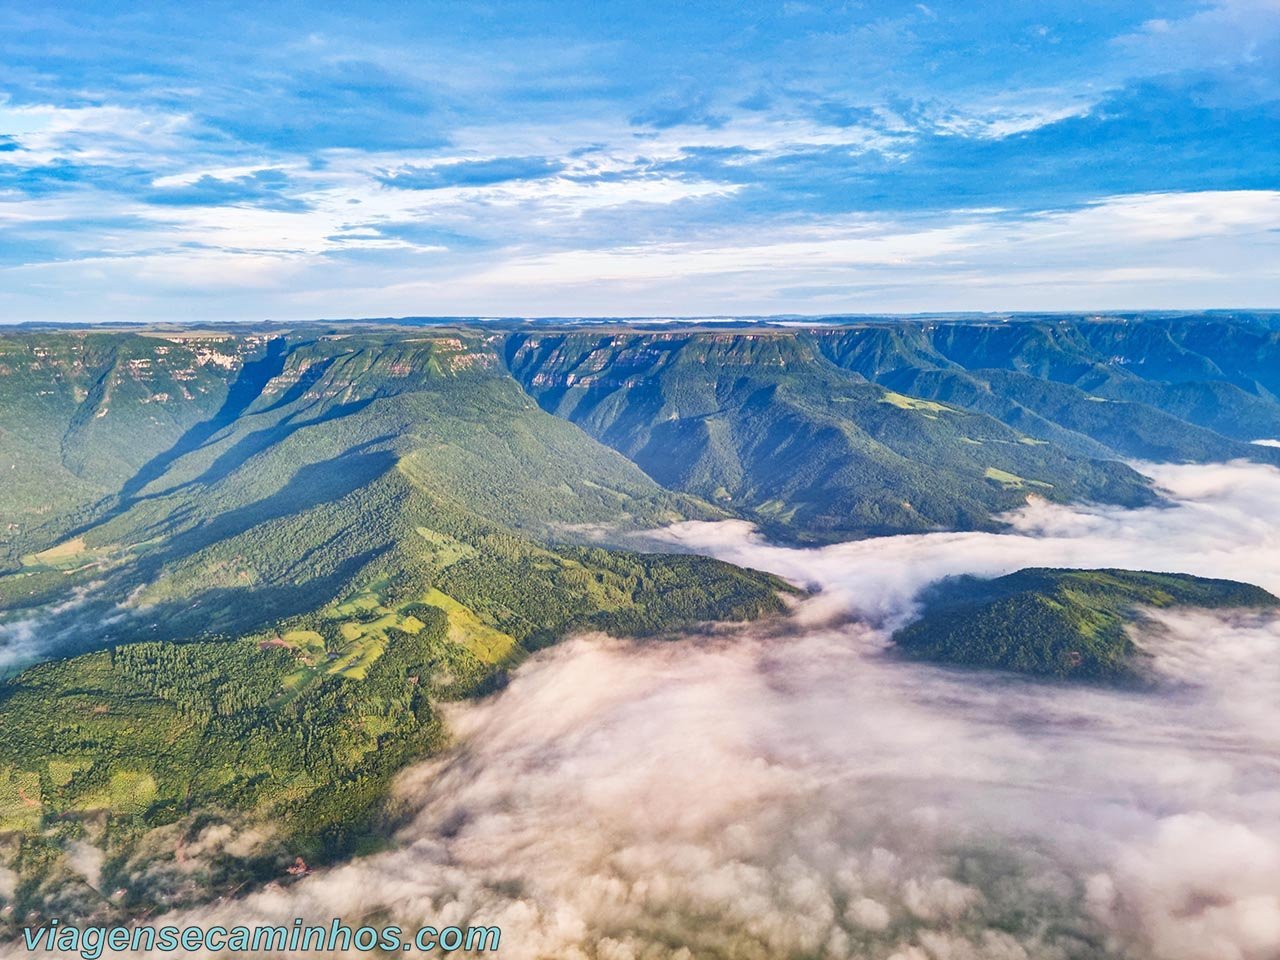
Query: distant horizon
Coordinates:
[780,319]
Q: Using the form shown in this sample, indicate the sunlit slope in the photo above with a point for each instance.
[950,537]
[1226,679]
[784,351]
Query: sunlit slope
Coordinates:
[285,598]
[444,400]
[764,425]
[1195,389]
[292,734]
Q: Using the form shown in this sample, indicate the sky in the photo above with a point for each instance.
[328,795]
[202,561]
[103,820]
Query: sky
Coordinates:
[297,160]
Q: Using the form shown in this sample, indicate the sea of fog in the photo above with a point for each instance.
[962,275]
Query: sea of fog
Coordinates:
[792,790]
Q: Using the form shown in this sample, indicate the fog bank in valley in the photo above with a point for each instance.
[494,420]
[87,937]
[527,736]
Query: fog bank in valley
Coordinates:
[60,629]
[793,790]
[1224,522]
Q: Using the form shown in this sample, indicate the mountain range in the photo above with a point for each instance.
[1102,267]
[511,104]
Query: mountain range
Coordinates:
[241,566]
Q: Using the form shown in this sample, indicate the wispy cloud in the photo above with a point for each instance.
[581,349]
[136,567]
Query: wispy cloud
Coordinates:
[262,188]
[472,173]
[520,249]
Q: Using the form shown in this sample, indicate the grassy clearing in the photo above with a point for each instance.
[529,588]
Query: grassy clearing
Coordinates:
[362,603]
[306,641]
[903,402]
[1011,481]
[776,511]
[361,623]
[468,630]
[69,557]
[127,792]
[62,552]
[357,659]
[20,807]
[445,550]
[61,771]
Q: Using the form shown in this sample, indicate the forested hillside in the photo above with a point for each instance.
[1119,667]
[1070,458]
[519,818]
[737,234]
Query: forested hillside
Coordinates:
[864,427]
[762,424]
[1066,624]
[82,414]
[239,569]
[1159,389]
[285,592]
[894,425]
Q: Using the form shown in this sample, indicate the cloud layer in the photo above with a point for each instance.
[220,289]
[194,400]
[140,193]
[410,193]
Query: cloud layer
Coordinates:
[793,790]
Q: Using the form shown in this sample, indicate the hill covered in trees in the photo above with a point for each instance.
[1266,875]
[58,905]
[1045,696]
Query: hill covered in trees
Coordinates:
[761,423]
[838,430]
[241,567]
[1066,624]
[288,738]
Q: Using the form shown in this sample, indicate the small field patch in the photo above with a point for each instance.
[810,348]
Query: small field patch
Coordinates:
[1011,481]
[903,402]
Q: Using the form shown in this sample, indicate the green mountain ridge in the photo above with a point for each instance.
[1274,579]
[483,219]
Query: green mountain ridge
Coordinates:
[66,401]
[802,430]
[347,436]
[1061,624]
[761,424]
[1150,389]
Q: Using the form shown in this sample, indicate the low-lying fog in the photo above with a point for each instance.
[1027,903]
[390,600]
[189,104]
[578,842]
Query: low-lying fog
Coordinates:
[60,629]
[791,790]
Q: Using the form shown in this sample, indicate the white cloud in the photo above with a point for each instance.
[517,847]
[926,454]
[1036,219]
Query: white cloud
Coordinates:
[1159,250]
[1222,34]
[1028,111]
[89,134]
[565,252]
[612,234]
[1222,527]
[25,640]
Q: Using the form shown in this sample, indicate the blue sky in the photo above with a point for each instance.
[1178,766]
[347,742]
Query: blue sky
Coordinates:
[191,162]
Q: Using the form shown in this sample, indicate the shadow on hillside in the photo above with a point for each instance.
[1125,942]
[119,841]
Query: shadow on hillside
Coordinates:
[232,611]
[254,443]
[248,386]
[216,612]
[102,620]
[311,486]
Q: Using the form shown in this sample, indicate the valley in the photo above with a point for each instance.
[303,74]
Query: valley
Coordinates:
[695,481]
[254,567]
[865,803]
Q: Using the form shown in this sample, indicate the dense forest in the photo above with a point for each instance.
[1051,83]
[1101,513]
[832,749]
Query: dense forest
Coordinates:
[1065,624]
[300,727]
